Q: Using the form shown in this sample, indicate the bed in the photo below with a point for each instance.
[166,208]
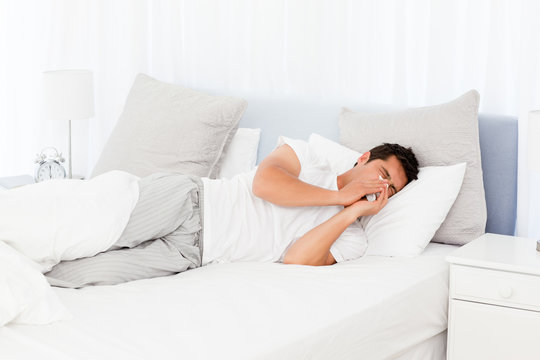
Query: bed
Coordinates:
[370,306]
[374,307]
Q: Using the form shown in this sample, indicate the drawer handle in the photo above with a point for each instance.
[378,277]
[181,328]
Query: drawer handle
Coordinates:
[506,292]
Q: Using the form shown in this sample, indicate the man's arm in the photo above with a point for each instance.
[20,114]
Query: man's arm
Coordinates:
[276,180]
[314,247]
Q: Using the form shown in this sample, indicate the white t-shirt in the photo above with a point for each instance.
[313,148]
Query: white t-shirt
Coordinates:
[239,226]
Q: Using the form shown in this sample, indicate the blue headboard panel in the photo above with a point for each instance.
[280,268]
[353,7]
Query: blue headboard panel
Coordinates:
[499,146]
[498,143]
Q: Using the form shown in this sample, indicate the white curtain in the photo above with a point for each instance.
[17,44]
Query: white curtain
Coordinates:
[408,53]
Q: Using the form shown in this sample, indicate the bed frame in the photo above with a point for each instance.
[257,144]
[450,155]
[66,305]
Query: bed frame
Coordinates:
[498,143]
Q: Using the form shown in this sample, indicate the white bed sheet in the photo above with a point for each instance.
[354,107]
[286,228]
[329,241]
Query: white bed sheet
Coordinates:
[375,307]
[433,348]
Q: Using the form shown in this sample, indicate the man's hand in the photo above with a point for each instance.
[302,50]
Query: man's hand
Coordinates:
[314,247]
[357,189]
[364,207]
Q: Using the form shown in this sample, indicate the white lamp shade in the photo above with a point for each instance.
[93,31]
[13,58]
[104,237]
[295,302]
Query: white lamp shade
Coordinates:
[533,141]
[68,94]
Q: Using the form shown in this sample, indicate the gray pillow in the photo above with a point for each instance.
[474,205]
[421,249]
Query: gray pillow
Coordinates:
[169,128]
[444,134]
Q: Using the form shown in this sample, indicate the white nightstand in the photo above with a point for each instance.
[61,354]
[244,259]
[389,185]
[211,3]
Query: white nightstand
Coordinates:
[494,310]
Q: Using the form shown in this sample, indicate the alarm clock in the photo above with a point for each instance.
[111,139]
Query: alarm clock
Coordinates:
[49,165]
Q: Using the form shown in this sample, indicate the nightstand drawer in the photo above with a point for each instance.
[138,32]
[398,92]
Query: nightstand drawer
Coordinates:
[488,332]
[495,287]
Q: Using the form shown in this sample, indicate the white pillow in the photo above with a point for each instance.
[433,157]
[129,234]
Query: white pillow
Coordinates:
[408,222]
[25,295]
[241,155]
[340,157]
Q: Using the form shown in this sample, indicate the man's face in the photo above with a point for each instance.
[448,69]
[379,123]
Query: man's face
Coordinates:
[390,169]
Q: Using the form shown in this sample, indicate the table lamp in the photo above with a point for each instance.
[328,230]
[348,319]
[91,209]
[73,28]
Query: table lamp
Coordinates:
[68,95]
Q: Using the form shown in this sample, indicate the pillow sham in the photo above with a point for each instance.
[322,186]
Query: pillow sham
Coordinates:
[439,135]
[25,295]
[241,154]
[169,128]
[408,222]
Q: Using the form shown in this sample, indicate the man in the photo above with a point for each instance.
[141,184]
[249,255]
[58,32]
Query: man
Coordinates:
[291,209]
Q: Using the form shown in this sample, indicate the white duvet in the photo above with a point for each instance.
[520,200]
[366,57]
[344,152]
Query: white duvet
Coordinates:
[67,219]
[45,223]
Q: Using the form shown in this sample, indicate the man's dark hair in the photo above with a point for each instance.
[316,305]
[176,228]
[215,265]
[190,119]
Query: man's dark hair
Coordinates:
[404,155]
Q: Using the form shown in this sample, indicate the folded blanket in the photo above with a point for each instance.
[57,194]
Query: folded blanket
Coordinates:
[67,219]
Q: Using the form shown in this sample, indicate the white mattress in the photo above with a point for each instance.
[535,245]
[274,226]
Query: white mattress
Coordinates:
[375,307]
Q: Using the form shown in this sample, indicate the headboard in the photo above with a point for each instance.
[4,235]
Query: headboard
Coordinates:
[498,143]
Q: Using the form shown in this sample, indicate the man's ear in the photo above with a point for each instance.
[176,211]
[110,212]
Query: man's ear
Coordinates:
[364,158]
